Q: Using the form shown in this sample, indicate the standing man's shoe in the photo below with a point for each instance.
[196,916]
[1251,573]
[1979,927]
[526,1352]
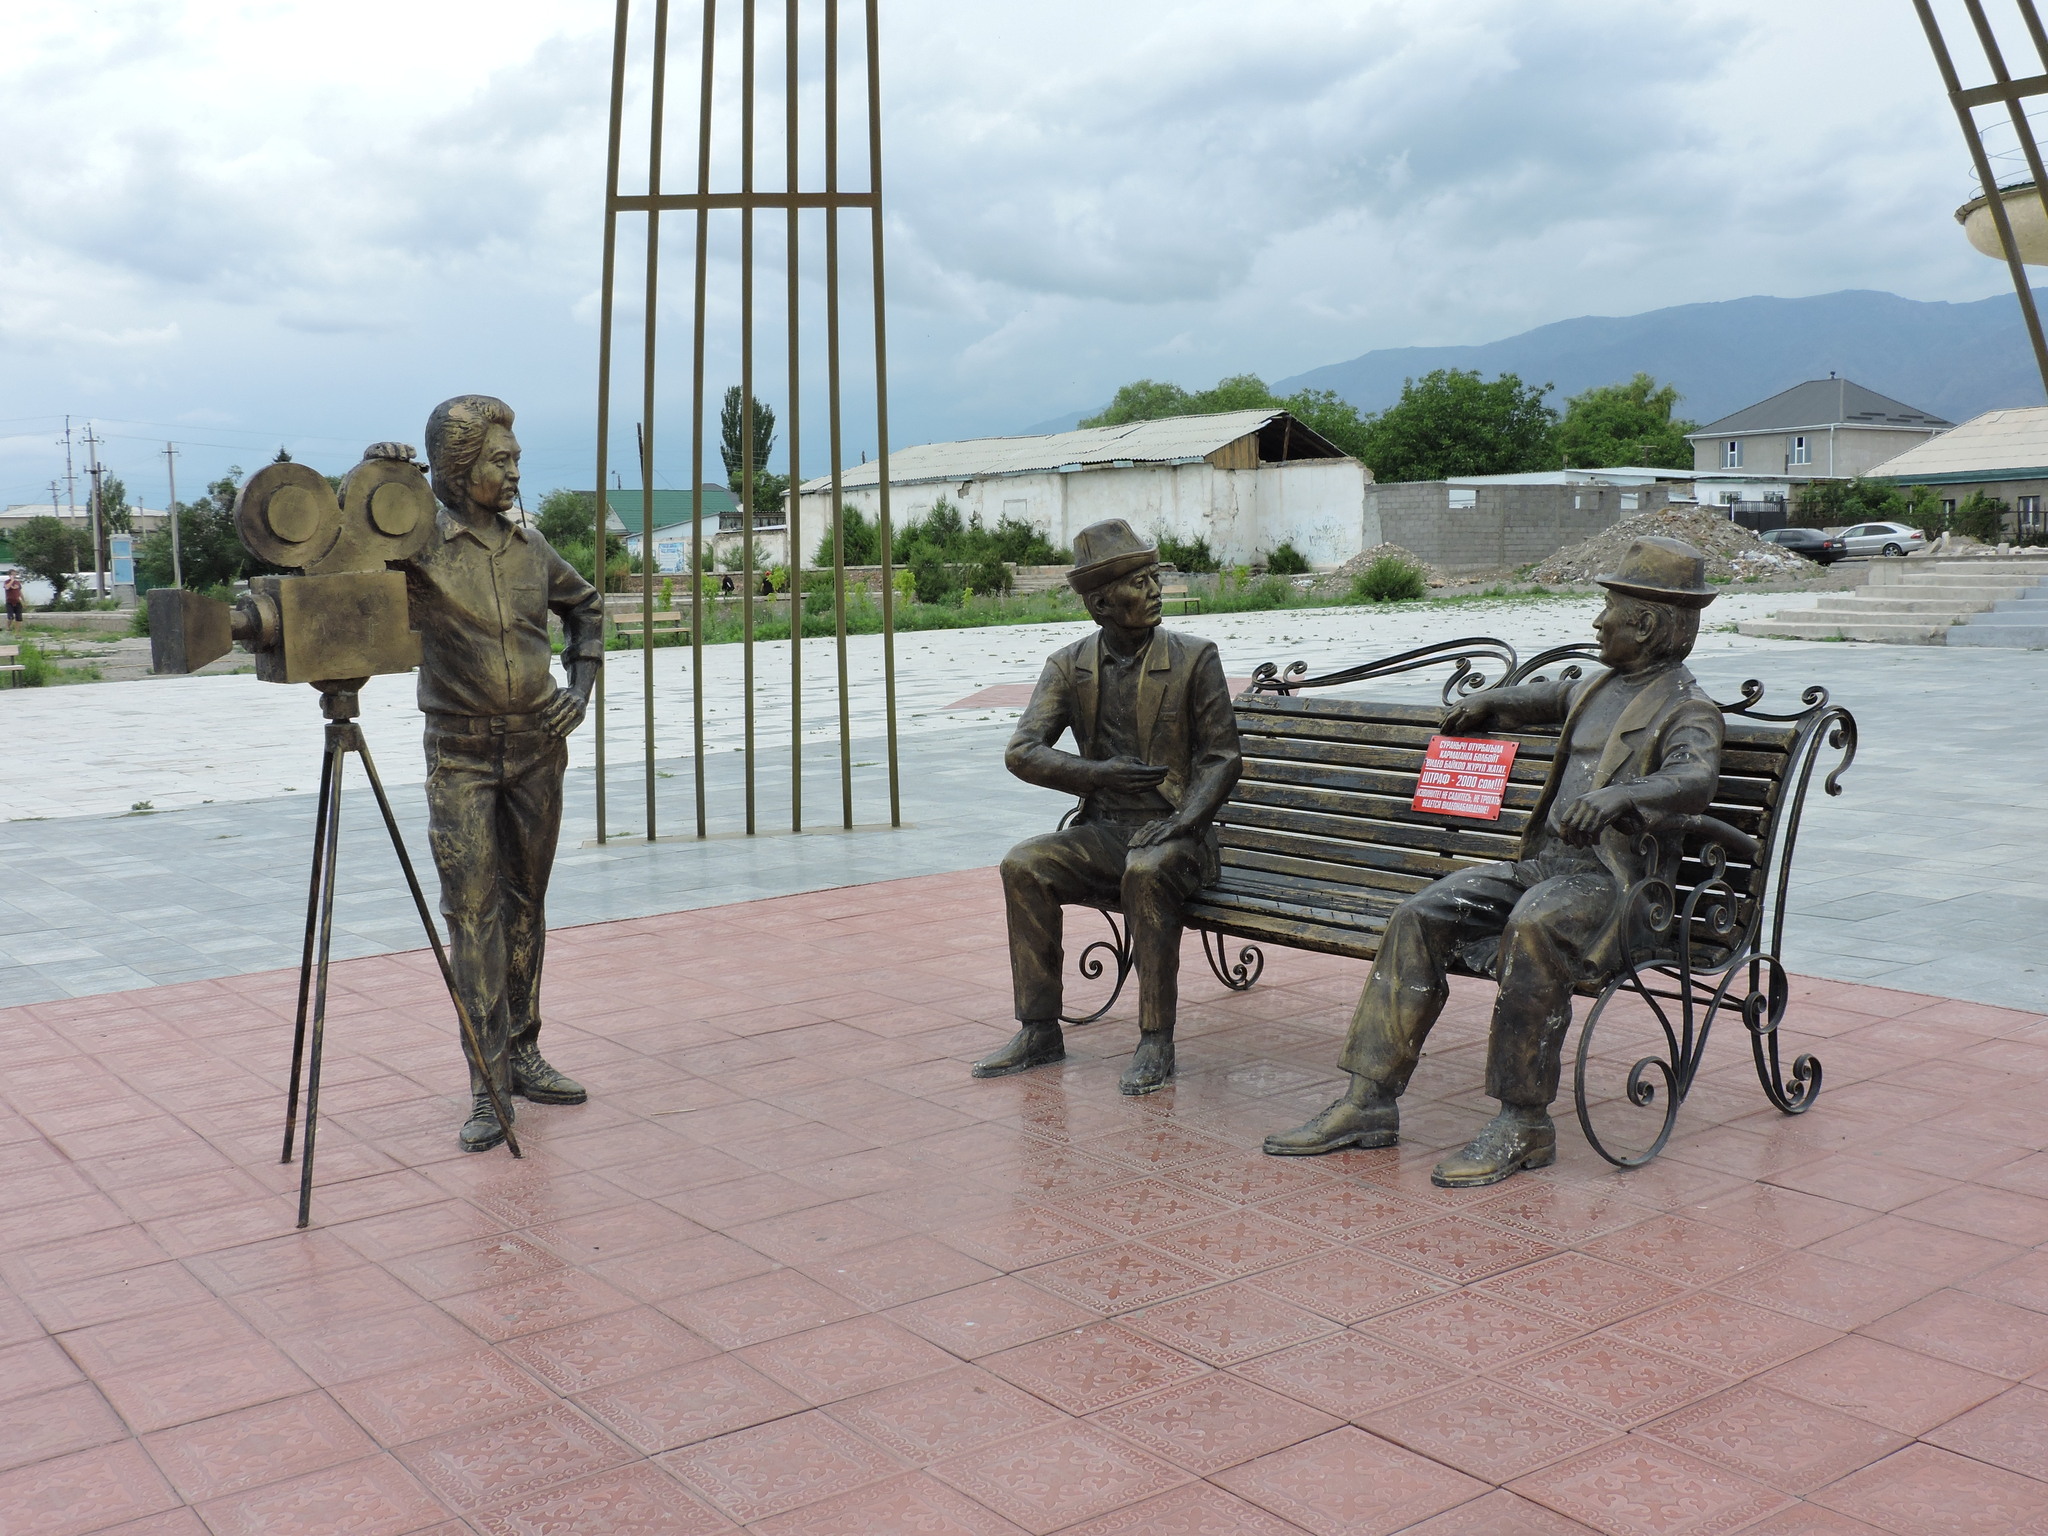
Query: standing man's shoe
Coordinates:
[1512,1140]
[537,1082]
[1032,1046]
[1151,1067]
[481,1131]
[1346,1123]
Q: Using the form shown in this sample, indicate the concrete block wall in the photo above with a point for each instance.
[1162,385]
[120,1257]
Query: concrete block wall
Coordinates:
[1506,526]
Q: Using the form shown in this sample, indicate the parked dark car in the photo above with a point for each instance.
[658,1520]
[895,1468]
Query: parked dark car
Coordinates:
[1810,542]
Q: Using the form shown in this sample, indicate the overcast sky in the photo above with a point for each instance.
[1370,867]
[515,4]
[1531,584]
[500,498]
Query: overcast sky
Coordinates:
[236,225]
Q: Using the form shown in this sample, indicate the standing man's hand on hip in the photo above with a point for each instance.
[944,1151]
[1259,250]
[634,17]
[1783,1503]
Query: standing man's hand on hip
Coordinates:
[564,712]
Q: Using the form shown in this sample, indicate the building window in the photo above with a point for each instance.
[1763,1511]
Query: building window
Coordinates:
[1629,500]
[1948,507]
[1463,496]
[2031,519]
[1731,454]
[1801,453]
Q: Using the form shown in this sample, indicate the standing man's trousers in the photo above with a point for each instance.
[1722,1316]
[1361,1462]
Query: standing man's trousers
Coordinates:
[494,811]
[1095,862]
[1545,911]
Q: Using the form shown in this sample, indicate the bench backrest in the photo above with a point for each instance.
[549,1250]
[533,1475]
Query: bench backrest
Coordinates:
[1325,800]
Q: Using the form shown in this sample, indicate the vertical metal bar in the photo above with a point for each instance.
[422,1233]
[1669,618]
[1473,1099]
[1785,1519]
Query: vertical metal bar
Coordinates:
[2032,17]
[600,516]
[647,407]
[792,518]
[832,406]
[874,62]
[1996,58]
[331,792]
[708,53]
[2021,287]
[747,397]
[291,1101]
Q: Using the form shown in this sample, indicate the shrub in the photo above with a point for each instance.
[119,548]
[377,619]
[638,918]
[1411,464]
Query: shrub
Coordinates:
[1287,561]
[36,669]
[1388,579]
[1192,555]
[1980,517]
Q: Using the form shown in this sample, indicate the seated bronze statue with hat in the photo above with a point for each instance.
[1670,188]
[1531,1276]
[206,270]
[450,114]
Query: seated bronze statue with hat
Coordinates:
[1156,755]
[1640,743]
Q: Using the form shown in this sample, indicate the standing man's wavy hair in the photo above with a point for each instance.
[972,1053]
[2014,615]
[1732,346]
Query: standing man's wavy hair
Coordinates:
[455,441]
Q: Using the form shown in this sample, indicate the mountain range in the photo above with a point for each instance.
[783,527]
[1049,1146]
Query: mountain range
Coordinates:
[1955,360]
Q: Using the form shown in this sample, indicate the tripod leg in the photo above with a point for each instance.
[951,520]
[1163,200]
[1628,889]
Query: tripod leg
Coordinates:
[419,900]
[326,945]
[291,1103]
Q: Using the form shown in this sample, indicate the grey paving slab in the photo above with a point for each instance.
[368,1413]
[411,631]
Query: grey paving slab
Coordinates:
[1929,873]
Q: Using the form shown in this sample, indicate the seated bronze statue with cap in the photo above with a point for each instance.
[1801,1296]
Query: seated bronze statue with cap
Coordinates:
[1640,744]
[1156,756]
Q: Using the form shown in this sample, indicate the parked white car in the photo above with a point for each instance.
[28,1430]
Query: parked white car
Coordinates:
[1883,539]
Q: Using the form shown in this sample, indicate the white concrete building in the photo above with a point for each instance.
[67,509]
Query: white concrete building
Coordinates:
[1824,429]
[1247,481]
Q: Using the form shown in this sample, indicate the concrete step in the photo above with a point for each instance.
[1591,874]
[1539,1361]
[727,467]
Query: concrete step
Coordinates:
[1806,627]
[1875,604]
[2025,633]
[1946,581]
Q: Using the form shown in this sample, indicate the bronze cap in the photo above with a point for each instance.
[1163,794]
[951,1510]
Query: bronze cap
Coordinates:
[1105,551]
[1663,571]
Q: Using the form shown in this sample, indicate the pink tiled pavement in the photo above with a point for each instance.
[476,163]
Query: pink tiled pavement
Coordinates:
[792,1270]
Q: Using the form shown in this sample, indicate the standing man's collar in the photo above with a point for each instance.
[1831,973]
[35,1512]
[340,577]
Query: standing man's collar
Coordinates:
[452,526]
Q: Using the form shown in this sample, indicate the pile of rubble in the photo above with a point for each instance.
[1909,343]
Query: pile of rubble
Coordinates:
[1338,582]
[1733,552]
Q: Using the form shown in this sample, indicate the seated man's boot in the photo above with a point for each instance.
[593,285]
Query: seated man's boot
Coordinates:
[1365,1117]
[481,1131]
[1032,1046]
[1518,1137]
[1151,1067]
[533,1079]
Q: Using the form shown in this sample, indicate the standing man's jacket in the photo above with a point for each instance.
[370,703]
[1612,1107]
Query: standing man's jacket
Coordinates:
[1185,724]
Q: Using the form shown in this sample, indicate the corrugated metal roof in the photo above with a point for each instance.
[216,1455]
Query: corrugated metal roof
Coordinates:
[1997,440]
[1175,439]
[1822,403]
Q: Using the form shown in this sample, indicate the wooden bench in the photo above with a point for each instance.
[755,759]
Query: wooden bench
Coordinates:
[10,663]
[664,624]
[1320,844]
[1177,593]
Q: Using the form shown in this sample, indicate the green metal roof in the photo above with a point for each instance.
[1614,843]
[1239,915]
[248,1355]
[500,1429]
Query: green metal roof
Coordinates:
[670,507]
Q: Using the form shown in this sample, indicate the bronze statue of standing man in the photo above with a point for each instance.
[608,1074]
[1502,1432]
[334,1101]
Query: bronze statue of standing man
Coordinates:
[496,739]
[1156,756]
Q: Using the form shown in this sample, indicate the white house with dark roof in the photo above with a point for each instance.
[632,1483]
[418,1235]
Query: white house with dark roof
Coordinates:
[1247,481]
[1824,429]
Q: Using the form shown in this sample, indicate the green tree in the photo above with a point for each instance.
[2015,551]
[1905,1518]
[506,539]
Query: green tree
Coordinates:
[564,515]
[1838,503]
[862,538]
[769,488]
[1320,410]
[208,546]
[1618,424]
[1980,517]
[1451,422]
[48,548]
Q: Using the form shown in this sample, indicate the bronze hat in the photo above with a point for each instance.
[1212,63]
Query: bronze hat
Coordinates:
[1663,571]
[1105,551]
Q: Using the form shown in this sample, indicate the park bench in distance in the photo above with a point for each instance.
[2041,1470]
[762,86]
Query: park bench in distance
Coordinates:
[628,625]
[1320,844]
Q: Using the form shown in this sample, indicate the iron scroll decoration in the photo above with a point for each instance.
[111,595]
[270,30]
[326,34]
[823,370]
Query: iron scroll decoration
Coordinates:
[1464,657]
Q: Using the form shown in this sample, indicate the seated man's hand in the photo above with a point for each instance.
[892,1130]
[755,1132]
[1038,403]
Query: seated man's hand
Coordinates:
[1472,717]
[1592,813]
[1127,775]
[1160,832]
[564,712]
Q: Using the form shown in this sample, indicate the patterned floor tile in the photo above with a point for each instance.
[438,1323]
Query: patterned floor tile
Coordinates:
[1828,1291]
[512,1458]
[640,1500]
[2010,1431]
[1349,1483]
[1924,1491]
[1033,1235]
[475,1264]
[845,1359]
[137,1342]
[35,1367]
[352,1348]
[257,1445]
[759,1308]
[1873,1380]
[603,1350]
[1228,1324]
[1784,1441]
[944,1415]
[1244,1180]
[51,1424]
[912,1502]
[1213,1422]
[1487,1429]
[1193,1509]
[1470,1329]
[1611,1380]
[997,1314]
[689,1403]
[199,1387]
[1120,1277]
[774,1468]
[1723,1334]
[1347,1286]
[902,1270]
[1974,1331]
[1348,1212]
[405,1405]
[1558,1213]
[1347,1375]
[1459,1248]
[1238,1243]
[1140,1206]
[377,1497]
[1058,1476]
[1581,1289]
[1630,1487]
[539,1302]
[1092,1368]
[1499,1513]
[1693,1252]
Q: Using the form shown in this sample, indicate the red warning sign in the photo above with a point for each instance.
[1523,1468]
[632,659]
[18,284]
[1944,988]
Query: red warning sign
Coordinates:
[1464,776]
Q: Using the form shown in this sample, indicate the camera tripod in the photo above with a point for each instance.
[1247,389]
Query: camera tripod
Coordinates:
[340,704]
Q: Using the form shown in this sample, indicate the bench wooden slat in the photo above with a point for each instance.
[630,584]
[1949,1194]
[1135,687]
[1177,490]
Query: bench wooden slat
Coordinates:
[1392,817]
[1394,785]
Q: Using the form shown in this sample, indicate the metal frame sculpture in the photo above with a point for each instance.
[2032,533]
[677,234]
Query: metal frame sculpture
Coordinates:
[792,200]
[2013,93]
[1705,951]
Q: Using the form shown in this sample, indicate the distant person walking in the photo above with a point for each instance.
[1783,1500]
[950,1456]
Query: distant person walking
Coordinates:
[14,599]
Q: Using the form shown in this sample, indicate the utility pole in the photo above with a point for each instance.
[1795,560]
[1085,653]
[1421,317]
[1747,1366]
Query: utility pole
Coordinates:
[92,460]
[70,476]
[171,469]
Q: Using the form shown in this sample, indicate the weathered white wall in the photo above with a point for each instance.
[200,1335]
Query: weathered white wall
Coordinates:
[1318,505]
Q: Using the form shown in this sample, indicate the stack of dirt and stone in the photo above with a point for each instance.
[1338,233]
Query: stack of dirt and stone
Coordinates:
[1338,582]
[1733,552]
